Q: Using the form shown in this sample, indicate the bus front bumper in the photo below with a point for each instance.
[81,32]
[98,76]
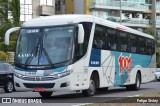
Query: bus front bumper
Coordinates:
[62,84]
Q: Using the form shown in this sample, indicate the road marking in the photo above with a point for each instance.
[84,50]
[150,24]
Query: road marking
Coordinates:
[83,104]
[134,96]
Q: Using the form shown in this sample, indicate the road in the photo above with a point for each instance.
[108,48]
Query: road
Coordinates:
[68,99]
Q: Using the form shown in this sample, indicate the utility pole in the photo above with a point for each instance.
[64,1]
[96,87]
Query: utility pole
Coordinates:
[153,20]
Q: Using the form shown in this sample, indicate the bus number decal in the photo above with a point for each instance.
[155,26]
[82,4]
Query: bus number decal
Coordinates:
[125,63]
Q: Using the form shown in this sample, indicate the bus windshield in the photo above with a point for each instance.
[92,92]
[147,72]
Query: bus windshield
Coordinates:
[44,46]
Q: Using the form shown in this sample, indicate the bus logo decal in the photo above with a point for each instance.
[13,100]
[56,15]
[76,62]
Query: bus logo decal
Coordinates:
[125,63]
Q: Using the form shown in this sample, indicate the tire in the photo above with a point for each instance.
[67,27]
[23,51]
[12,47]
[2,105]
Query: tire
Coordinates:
[137,84]
[9,87]
[91,90]
[45,94]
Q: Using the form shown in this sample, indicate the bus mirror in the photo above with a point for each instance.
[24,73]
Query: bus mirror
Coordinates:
[7,34]
[80,33]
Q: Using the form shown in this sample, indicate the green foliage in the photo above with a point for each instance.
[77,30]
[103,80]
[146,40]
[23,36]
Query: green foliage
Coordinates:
[14,7]
[11,46]
[150,32]
[2,46]
[3,56]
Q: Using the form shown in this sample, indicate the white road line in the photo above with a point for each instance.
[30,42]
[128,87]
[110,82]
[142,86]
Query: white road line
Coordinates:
[134,96]
[82,104]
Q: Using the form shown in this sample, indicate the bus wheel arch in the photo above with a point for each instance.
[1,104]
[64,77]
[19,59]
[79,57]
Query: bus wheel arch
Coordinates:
[93,84]
[95,77]
[137,84]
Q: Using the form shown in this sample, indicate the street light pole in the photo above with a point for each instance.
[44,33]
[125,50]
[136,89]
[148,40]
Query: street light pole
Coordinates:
[120,11]
[153,20]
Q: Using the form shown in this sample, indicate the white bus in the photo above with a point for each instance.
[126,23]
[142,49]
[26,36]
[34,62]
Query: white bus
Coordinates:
[80,52]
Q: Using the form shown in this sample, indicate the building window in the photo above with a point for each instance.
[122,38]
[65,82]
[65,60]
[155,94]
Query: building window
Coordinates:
[25,10]
[46,2]
[58,5]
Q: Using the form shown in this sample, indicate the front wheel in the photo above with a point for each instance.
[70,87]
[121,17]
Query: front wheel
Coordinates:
[9,86]
[91,90]
[45,94]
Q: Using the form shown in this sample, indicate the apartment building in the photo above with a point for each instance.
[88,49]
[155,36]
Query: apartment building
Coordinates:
[36,8]
[136,14]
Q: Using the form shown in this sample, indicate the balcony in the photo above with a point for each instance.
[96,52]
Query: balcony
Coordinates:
[126,6]
[134,22]
[46,10]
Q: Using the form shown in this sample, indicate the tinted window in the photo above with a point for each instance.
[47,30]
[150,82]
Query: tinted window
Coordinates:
[142,45]
[123,39]
[149,46]
[99,37]
[105,38]
[112,38]
[133,43]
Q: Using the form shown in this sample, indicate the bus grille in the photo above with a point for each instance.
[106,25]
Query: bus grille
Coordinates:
[41,85]
[42,78]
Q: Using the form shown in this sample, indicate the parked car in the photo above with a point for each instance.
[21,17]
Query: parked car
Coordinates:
[157,74]
[6,77]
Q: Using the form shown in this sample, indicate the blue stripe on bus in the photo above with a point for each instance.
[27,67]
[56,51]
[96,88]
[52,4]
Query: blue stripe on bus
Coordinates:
[95,59]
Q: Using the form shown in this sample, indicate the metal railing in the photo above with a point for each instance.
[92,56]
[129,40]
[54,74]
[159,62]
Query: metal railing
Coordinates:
[132,20]
[125,4]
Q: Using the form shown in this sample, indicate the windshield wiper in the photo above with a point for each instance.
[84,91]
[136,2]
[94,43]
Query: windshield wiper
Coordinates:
[34,52]
[42,49]
[38,50]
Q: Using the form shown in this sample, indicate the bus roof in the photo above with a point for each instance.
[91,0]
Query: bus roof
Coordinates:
[70,19]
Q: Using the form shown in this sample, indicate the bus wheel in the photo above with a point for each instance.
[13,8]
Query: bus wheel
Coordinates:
[91,90]
[137,84]
[45,94]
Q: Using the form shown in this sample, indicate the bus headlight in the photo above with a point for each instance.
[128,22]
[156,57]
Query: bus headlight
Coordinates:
[63,74]
[18,75]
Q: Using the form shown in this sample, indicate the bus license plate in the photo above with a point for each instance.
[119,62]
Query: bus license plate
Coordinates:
[39,89]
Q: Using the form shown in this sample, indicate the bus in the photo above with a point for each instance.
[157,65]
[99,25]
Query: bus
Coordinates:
[80,53]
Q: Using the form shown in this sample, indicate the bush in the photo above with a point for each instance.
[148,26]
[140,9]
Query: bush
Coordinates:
[11,46]
[2,46]
[3,56]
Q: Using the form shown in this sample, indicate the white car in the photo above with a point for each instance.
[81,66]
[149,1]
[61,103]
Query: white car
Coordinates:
[157,74]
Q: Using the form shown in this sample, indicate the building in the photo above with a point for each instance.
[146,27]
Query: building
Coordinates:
[136,14]
[72,6]
[36,8]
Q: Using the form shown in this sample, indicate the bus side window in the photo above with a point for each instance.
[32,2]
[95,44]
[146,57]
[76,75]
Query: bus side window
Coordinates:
[142,45]
[99,36]
[112,38]
[123,39]
[132,43]
[150,47]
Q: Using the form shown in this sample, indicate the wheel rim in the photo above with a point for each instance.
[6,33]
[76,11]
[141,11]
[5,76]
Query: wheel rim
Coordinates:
[10,86]
[92,87]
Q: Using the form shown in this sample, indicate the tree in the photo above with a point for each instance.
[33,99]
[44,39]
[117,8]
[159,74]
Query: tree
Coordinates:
[12,6]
